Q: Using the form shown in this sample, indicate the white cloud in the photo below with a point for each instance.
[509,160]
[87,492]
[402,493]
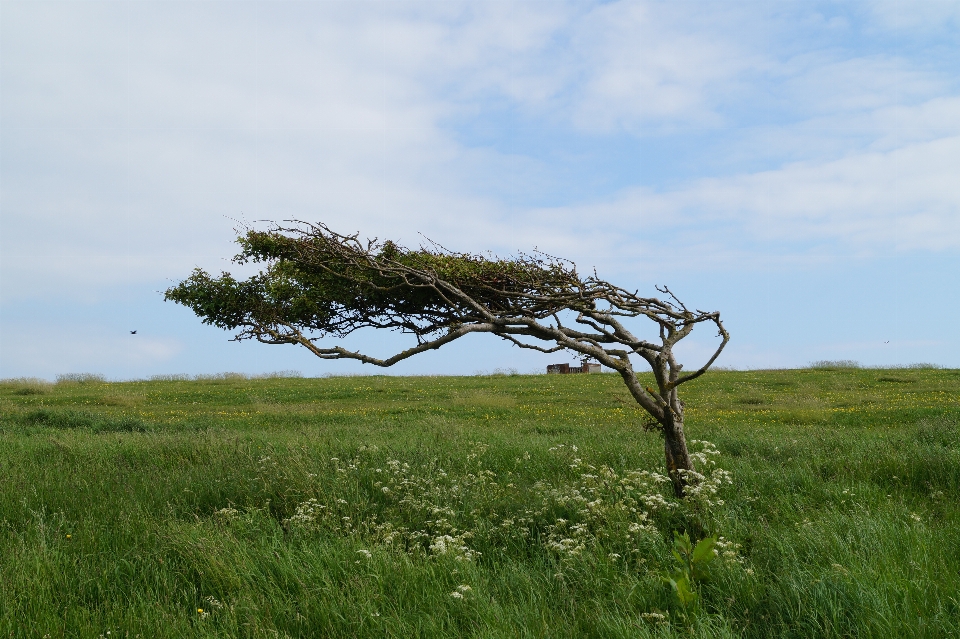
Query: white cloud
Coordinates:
[829,82]
[872,203]
[901,125]
[607,69]
[904,199]
[135,136]
[654,63]
[926,15]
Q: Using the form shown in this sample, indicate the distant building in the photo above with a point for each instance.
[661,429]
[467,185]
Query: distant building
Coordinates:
[564,369]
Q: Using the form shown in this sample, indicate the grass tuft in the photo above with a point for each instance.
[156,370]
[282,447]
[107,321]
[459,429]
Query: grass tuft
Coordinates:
[26,385]
[839,364]
[81,378]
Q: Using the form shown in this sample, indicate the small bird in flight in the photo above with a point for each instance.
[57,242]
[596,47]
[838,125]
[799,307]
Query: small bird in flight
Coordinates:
[133,332]
[886,342]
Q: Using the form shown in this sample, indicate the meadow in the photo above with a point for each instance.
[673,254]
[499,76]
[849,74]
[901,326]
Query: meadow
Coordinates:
[487,506]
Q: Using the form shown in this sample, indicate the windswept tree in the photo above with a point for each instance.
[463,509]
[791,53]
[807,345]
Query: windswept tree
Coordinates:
[316,283]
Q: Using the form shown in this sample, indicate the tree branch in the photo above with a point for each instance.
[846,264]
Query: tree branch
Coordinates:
[338,352]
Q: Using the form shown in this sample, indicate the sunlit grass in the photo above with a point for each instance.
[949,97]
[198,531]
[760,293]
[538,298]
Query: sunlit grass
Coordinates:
[514,506]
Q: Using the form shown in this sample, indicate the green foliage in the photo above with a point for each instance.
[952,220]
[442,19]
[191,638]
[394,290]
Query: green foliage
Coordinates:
[690,567]
[319,281]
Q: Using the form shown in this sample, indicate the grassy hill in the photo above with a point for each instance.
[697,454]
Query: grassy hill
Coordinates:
[502,506]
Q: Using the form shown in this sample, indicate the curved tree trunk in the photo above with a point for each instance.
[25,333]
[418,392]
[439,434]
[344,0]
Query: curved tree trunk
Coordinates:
[677,456]
[669,416]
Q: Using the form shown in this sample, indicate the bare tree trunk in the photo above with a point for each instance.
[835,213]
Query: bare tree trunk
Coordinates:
[669,415]
[678,458]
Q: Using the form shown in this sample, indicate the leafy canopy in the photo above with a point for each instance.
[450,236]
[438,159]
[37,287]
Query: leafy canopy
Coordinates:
[333,284]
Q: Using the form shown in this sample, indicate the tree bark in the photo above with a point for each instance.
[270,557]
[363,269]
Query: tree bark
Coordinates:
[677,456]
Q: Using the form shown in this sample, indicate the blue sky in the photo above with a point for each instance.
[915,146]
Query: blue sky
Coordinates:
[792,165]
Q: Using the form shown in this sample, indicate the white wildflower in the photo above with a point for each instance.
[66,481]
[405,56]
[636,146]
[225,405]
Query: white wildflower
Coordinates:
[306,516]
[227,514]
[454,546]
[654,617]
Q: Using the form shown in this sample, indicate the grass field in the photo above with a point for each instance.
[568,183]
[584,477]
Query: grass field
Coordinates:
[501,506]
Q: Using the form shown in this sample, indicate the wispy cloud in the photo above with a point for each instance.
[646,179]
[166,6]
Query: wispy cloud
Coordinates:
[902,199]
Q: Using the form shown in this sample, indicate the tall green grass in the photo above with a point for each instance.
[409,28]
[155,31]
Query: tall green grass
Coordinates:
[501,506]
